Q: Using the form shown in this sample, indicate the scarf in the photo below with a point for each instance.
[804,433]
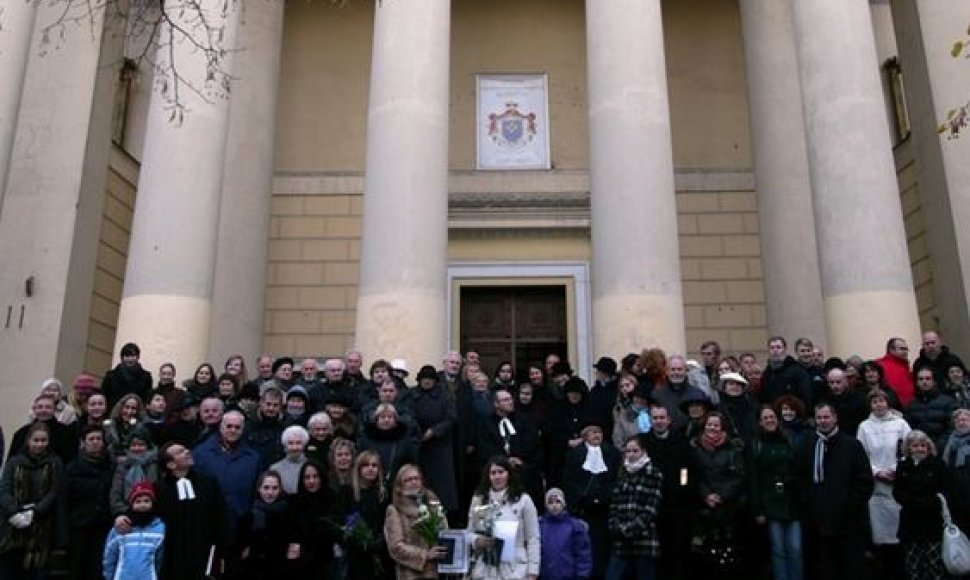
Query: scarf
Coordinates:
[506,430]
[633,467]
[957,449]
[141,519]
[818,468]
[711,442]
[643,420]
[137,469]
[594,460]
[662,436]
[262,512]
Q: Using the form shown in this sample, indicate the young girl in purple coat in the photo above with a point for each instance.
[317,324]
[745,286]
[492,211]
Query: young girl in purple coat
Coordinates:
[566,551]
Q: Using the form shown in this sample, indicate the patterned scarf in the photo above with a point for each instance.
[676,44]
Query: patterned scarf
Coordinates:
[821,444]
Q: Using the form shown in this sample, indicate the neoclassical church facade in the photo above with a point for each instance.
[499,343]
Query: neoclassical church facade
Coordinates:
[520,177]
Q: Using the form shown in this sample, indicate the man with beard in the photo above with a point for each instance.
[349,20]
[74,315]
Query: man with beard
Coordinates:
[127,378]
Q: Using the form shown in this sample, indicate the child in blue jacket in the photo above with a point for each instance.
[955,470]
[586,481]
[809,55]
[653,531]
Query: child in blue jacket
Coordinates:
[136,555]
[566,550]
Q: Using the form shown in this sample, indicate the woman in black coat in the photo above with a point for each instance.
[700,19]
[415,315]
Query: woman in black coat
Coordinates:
[920,476]
[433,409]
[316,531]
[565,428]
[28,501]
[367,555]
[588,479]
[389,438]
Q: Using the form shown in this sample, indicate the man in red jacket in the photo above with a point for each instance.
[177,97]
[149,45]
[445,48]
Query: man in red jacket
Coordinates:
[896,367]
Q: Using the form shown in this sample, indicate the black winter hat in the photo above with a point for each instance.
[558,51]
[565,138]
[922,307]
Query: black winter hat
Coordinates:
[280,362]
[427,372]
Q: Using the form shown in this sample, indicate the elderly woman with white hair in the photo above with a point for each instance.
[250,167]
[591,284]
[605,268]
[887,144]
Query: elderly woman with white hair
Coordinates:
[321,436]
[294,440]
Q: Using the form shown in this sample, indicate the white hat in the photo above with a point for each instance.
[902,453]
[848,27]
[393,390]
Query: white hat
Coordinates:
[732,376]
[400,365]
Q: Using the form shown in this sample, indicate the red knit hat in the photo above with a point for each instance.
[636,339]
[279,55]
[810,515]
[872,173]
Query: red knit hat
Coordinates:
[142,488]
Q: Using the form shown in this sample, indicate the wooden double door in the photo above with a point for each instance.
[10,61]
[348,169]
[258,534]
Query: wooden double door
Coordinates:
[513,323]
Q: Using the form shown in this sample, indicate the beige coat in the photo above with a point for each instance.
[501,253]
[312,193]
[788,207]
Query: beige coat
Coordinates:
[408,549]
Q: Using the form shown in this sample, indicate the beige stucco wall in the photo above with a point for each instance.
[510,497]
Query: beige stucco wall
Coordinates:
[326,67]
[314,240]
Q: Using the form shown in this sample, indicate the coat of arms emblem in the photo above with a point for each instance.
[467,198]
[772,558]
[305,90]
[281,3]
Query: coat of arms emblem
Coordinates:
[511,129]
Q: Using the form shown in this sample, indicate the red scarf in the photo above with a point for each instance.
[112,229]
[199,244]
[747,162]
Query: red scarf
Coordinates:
[711,442]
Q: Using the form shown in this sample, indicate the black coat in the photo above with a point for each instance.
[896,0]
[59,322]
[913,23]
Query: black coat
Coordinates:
[63,441]
[851,408]
[741,414]
[915,489]
[672,457]
[434,410]
[88,484]
[192,526]
[837,505]
[263,434]
[122,380]
[566,423]
[790,378]
[362,559]
[395,446]
[588,497]
[931,412]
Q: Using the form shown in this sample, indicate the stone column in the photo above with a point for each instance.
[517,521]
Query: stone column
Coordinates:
[52,210]
[866,279]
[401,304]
[636,282]
[239,288]
[167,300]
[786,218]
[935,83]
[16,25]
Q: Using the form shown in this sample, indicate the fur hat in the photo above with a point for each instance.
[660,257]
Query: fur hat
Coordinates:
[427,372]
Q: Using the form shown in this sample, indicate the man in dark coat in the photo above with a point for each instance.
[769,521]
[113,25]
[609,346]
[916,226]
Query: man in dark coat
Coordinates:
[931,410]
[127,378]
[937,356]
[89,514]
[506,434]
[675,391]
[784,375]
[264,430]
[433,410]
[835,483]
[191,505]
[228,459]
[602,395]
[850,406]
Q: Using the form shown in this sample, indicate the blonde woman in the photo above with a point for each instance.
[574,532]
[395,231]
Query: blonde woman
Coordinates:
[414,558]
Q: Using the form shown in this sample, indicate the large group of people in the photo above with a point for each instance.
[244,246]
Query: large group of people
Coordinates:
[660,467]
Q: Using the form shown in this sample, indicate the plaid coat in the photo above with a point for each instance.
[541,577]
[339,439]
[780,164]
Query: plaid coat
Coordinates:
[633,512]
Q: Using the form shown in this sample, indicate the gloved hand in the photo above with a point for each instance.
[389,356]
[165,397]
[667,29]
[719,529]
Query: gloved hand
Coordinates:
[20,520]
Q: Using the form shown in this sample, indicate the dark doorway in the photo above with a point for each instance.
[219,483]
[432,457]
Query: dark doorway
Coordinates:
[517,323]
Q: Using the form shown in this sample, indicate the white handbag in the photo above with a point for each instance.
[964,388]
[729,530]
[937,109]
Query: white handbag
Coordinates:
[956,546]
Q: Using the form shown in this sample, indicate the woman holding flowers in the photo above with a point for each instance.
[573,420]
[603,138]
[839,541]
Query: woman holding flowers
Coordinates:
[409,526]
[367,554]
[500,502]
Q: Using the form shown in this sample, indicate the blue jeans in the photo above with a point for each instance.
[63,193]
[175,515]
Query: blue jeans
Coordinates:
[642,565]
[786,550]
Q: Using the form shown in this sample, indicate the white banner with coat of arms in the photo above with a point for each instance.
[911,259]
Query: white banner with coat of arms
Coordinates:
[513,122]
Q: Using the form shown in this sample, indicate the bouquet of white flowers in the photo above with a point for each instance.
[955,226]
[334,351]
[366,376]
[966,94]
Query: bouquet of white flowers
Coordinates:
[430,522]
